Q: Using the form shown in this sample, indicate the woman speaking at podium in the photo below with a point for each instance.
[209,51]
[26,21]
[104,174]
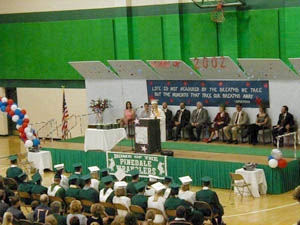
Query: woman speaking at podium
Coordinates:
[159,114]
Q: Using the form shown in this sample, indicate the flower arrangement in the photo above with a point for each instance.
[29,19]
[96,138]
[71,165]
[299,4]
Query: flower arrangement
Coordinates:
[99,105]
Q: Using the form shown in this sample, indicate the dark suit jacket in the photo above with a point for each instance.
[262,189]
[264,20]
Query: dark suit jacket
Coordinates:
[3,208]
[169,116]
[18,214]
[185,117]
[289,119]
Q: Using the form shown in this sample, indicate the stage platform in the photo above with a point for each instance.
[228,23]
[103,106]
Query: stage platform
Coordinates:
[195,159]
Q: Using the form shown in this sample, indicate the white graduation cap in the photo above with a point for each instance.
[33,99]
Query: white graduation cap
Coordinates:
[158,186]
[120,185]
[153,178]
[59,166]
[120,174]
[185,180]
[94,169]
[154,101]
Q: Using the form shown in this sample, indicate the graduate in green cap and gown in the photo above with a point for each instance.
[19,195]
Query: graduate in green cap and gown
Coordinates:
[73,190]
[88,193]
[13,171]
[140,199]
[131,191]
[37,187]
[210,197]
[78,172]
[55,189]
[103,173]
[167,182]
[24,186]
[107,193]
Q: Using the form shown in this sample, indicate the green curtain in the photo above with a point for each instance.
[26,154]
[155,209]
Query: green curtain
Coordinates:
[278,180]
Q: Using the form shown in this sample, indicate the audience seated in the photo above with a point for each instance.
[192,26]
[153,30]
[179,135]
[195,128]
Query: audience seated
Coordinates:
[180,218]
[262,121]
[212,199]
[169,121]
[15,208]
[238,121]
[75,212]
[150,216]
[14,171]
[199,119]
[97,210]
[221,120]
[121,198]
[181,119]
[285,124]
[8,218]
[8,192]
[51,220]
[42,210]
[119,220]
[157,202]
[30,216]
[130,219]
[37,187]
[3,205]
[56,209]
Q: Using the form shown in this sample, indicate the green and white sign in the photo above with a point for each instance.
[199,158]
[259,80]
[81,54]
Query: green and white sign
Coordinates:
[147,164]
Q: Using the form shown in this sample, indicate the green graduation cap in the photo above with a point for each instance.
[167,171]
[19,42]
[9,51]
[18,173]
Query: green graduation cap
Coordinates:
[206,179]
[134,172]
[22,176]
[107,179]
[86,177]
[36,177]
[104,170]
[13,157]
[76,165]
[168,179]
[140,185]
[57,176]
[73,177]
[174,186]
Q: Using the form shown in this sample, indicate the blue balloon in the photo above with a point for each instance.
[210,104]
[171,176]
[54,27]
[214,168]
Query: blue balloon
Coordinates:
[9,116]
[270,157]
[33,131]
[17,112]
[1,104]
[3,108]
[20,122]
[21,115]
[4,103]
[36,142]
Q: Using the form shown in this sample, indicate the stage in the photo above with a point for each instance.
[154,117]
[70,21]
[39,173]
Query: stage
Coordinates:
[195,159]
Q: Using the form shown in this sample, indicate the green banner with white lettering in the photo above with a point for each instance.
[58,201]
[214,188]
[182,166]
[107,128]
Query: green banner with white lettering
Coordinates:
[147,164]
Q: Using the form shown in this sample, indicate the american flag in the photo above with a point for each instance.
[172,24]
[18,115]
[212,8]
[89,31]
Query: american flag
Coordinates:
[64,128]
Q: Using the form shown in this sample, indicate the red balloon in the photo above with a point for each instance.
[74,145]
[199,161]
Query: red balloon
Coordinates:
[7,109]
[23,111]
[24,125]
[282,163]
[11,113]
[21,129]
[26,120]
[23,135]
[10,101]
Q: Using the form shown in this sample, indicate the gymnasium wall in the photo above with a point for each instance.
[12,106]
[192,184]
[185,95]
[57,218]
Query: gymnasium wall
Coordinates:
[3,117]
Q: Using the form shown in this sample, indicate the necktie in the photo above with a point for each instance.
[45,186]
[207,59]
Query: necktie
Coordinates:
[237,118]
[180,114]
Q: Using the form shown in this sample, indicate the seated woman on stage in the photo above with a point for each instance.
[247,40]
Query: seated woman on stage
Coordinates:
[129,115]
[221,120]
[262,120]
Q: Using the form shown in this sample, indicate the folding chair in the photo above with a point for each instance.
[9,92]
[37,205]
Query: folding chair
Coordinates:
[238,181]
[54,198]
[171,213]
[23,197]
[86,206]
[108,205]
[11,183]
[135,209]
[157,212]
[68,201]
[35,197]
[25,222]
[120,207]
[204,206]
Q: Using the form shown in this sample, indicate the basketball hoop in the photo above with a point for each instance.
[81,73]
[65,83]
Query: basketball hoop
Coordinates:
[217,15]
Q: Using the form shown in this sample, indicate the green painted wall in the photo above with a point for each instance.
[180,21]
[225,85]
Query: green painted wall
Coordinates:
[42,50]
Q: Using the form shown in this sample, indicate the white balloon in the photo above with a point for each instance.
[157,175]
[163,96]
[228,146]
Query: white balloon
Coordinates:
[4,99]
[28,144]
[26,117]
[15,118]
[29,135]
[273,163]
[13,107]
[18,126]
[27,130]
[276,154]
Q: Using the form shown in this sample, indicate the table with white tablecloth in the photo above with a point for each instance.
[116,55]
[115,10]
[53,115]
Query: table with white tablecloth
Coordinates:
[41,160]
[105,140]
[256,179]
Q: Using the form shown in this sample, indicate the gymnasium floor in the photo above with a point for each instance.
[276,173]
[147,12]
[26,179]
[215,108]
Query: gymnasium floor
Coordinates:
[268,209]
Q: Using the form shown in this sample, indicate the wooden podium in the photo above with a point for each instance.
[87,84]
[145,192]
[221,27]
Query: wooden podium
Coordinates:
[147,136]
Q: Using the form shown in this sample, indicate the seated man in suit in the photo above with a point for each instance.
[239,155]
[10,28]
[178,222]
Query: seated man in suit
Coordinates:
[181,119]
[169,122]
[210,197]
[238,121]
[285,124]
[198,120]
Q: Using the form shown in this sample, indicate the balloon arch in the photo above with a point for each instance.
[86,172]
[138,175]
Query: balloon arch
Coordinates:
[19,116]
